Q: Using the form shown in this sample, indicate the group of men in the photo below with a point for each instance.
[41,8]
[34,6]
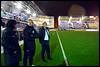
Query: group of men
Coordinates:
[12,50]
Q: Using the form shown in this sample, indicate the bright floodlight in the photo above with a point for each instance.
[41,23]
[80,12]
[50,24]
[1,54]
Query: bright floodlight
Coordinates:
[91,16]
[34,14]
[15,3]
[81,18]
[70,19]
[28,11]
[18,5]
[1,7]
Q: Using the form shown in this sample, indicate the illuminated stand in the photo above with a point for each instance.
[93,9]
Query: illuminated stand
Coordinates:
[88,23]
[40,19]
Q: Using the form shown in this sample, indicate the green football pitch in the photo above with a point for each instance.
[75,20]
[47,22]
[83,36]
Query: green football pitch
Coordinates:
[81,49]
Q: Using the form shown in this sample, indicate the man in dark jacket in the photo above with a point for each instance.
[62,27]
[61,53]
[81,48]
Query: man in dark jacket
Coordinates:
[29,42]
[12,51]
[44,38]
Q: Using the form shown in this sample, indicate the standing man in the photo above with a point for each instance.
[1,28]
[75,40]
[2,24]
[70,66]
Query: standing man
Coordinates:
[44,38]
[12,51]
[29,42]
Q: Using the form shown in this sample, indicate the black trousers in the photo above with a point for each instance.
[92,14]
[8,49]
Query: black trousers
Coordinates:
[45,48]
[28,54]
[29,51]
[10,58]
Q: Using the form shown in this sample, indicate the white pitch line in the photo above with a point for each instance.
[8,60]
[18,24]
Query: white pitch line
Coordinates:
[65,58]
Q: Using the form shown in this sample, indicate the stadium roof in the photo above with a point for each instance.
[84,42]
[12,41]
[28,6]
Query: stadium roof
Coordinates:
[62,8]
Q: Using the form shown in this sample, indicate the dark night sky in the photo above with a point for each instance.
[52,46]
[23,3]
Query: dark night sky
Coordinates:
[61,8]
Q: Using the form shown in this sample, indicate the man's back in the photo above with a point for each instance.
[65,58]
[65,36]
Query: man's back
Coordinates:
[10,39]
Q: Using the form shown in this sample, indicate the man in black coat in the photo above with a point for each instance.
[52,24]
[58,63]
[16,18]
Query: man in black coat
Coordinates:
[44,38]
[29,42]
[12,51]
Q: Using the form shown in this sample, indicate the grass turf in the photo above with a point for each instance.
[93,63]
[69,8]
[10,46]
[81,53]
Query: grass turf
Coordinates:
[81,49]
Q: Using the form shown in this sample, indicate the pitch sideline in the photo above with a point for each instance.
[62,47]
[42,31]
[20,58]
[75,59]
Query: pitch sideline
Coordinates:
[65,58]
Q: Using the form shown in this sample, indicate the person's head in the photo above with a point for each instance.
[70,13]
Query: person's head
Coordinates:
[30,22]
[17,18]
[11,24]
[44,24]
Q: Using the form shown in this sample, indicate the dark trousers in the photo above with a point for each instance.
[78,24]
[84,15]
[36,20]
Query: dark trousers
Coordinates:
[45,48]
[10,58]
[28,55]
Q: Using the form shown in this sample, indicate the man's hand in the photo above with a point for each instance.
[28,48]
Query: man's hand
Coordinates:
[27,50]
[15,52]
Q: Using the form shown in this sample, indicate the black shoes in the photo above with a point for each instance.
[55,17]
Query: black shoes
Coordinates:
[44,60]
[50,58]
